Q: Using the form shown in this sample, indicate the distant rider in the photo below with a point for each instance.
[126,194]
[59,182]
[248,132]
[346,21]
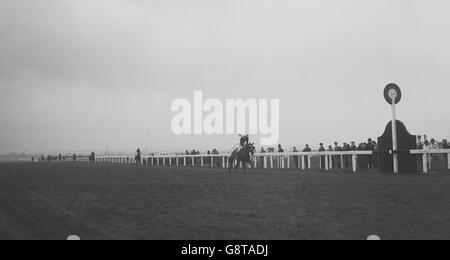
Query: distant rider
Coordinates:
[138,156]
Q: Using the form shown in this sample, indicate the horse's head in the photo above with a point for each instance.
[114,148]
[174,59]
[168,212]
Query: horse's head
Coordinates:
[251,148]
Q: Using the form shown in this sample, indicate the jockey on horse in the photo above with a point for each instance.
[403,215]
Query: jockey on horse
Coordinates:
[242,154]
[244,140]
[137,157]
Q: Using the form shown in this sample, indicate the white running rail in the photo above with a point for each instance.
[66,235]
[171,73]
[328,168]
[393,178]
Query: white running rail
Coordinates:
[261,160]
[427,157]
[268,160]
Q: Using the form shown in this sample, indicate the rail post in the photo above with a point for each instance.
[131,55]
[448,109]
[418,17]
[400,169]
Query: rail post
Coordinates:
[309,162]
[354,162]
[331,158]
[288,162]
[303,163]
[425,163]
[320,162]
[448,161]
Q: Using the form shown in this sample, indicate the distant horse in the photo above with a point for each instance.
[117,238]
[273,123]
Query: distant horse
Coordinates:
[92,157]
[137,157]
[243,155]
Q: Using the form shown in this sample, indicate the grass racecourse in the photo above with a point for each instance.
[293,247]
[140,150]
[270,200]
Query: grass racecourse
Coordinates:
[102,201]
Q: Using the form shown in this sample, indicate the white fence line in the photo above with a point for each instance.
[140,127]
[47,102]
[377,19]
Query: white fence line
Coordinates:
[267,160]
[262,160]
[427,156]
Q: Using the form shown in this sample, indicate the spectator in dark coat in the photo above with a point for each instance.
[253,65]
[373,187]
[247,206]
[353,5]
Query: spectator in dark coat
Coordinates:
[280,158]
[296,158]
[445,146]
[346,158]
[322,158]
[307,149]
[337,158]
[362,159]
[370,147]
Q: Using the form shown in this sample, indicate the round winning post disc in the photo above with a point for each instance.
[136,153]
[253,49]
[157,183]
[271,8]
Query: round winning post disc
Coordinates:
[392,91]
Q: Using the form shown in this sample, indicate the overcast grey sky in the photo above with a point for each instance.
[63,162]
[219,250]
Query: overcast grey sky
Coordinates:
[99,74]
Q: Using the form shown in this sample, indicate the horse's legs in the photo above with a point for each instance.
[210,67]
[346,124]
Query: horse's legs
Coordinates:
[244,165]
[251,165]
[230,164]
[238,162]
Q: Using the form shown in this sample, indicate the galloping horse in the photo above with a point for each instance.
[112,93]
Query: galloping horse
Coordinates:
[243,155]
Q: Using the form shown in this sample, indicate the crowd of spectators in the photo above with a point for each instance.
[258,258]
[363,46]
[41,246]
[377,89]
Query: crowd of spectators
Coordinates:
[53,158]
[434,161]
[423,143]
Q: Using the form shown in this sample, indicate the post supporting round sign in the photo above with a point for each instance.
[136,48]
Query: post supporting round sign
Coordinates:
[393,95]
